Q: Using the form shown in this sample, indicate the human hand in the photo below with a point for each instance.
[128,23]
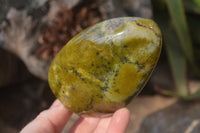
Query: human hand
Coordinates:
[53,120]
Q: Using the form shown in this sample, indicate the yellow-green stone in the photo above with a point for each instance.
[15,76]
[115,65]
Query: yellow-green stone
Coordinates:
[103,67]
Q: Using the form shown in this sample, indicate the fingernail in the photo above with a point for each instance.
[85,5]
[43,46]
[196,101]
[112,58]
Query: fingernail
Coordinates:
[56,104]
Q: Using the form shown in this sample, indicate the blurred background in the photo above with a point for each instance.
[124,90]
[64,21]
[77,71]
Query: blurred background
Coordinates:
[33,31]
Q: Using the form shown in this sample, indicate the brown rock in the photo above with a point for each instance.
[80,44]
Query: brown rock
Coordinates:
[155,114]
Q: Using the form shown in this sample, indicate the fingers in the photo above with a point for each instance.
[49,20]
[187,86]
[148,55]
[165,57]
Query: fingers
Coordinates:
[113,124]
[119,121]
[55,103]
[103,125]
[85,125]
[51,120]
[54,119]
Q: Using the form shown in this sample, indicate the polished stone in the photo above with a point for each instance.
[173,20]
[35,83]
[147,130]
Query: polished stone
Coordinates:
[103,67]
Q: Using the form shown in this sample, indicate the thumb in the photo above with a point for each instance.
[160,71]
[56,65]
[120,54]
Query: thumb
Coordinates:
[51,120]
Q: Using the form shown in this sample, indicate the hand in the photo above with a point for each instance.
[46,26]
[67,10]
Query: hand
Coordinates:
[53,120]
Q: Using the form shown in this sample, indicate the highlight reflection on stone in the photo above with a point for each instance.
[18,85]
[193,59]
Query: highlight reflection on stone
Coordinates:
[104,66]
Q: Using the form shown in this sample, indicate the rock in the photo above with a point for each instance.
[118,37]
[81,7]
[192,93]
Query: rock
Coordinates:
[156,114]
[23,24]
[104,66]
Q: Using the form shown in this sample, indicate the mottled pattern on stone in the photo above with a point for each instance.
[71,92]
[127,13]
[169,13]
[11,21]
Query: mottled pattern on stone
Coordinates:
[104,66]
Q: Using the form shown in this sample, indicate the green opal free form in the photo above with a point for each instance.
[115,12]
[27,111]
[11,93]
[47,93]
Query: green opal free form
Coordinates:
[103,67]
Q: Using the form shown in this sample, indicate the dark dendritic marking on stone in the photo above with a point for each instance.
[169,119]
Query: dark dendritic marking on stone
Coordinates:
[104,88]
[106,68]
[116,71]
[116,74]
[140,66]
[79,75]
[141,25]
[73,87]
[83,79]
[59,83]
[124,46]
[92,64]
[90,104]
[59,87]
[75,72]
[124,59]
[99,96]
[97,53]
[117,91]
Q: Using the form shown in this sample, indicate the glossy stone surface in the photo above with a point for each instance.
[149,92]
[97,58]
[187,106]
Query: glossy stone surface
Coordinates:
[104,66]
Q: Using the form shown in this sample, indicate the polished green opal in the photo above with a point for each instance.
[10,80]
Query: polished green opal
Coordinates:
[103,67]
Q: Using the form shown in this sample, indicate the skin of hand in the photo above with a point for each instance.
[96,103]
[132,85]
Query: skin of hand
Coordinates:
[53,120]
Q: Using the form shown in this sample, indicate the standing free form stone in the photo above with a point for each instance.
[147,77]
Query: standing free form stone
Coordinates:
[103,67]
